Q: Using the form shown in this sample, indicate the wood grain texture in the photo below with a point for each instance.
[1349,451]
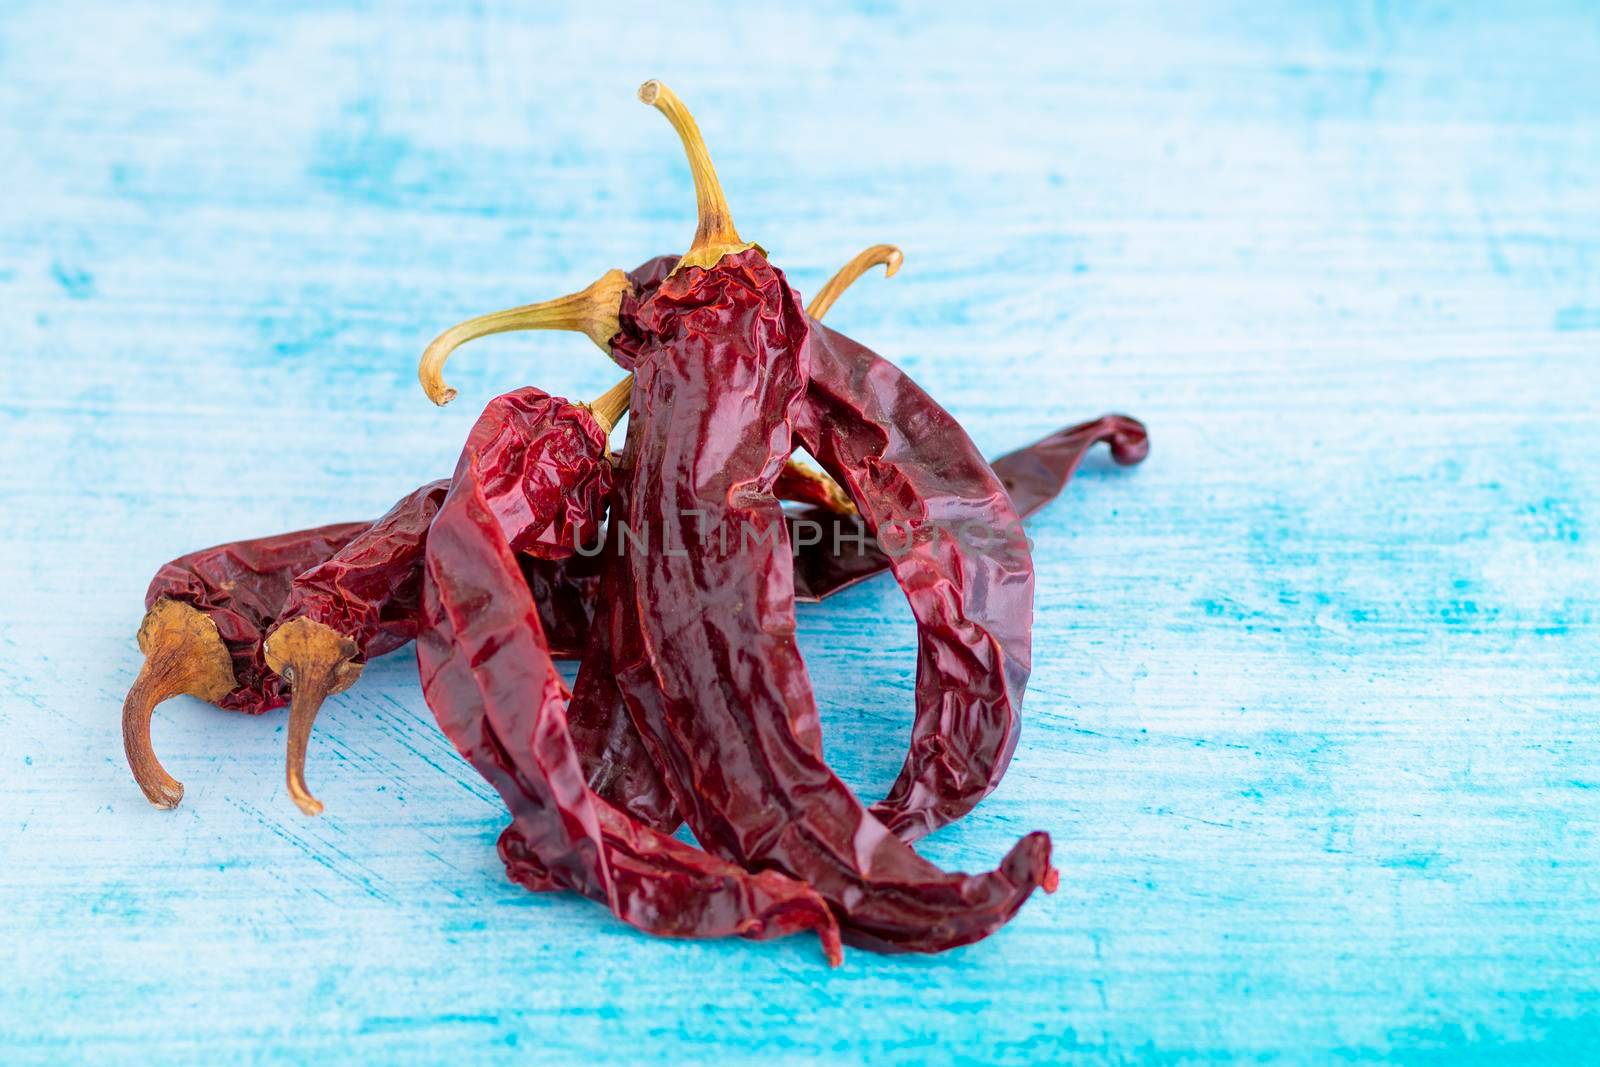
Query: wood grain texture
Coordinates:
[1313,722]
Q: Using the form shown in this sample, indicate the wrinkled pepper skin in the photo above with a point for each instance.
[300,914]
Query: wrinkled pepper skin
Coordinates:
[1036,474]
[242,586]
[959,554]
[534,473]
[911,468]
[707,662]
[370,590]
[615,760]
[566,592]
[1032,476]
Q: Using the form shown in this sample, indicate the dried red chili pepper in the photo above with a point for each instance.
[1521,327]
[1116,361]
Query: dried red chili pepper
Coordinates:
[960,559]
[356,606]
[966,728]
[914,469]
[705,655]
[531,479]
[207,613]
[610,748]
[833,551]
[210,612]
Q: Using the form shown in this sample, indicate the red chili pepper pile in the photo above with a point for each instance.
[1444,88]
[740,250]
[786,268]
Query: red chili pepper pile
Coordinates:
[672,571]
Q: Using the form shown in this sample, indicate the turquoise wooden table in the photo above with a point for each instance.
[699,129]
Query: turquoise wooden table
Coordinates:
[1314,716]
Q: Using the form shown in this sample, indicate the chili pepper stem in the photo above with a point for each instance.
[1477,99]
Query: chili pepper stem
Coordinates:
[609,407]
[887,256]
[715,236]
[833,495]
[184,653]
[592,311]
[316,661]
[834,498]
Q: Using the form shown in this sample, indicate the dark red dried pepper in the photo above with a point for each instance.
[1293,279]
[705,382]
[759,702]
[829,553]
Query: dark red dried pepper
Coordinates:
[972,610]
[959,554]
[535,468]
[833,551]
[356,606]
[911,468]
[207,614]
[211,612]
[705,652]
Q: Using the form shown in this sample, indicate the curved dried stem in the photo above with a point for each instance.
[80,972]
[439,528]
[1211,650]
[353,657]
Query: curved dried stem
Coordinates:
[715,236]
[316,661]
[887,256]
[184,653]
[800,482]
[593,311]
[609,407]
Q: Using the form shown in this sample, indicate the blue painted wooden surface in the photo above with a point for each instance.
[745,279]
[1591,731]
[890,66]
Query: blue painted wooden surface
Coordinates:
[1314,716]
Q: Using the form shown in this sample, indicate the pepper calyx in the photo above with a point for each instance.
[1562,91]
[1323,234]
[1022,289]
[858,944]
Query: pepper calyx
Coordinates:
[317,661]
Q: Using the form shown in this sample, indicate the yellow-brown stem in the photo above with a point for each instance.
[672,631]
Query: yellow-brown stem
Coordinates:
[592,311]
[715,236]
[183,653]
[827,492]
[830,492]
[609,407]
[887,256]
[316,661]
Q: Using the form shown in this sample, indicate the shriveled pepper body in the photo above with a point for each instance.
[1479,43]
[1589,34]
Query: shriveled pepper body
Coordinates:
[707,661]
[533,469]
[242,586]
[955,543]
[358,605]
[207,615]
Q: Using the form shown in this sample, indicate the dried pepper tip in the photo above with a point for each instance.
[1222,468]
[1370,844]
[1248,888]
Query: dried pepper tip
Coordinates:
[887,256]
[832,944]
[715,236]
[1051,881]
[316,661]
[592,311]
[184,653]
[1130,442]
